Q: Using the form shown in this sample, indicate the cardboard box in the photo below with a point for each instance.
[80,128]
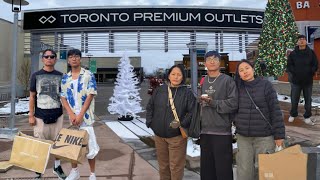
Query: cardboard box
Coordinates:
[293,163]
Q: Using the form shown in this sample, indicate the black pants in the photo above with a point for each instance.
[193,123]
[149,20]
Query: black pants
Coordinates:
[295,96]
[216,157]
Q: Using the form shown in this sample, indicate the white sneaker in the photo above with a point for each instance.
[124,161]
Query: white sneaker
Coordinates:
[92,177]
[308,121]
[291,119]
[74,175]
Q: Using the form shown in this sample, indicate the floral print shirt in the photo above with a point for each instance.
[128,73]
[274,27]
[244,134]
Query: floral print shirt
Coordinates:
[86,85]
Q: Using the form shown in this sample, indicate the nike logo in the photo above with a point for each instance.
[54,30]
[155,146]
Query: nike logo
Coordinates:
[54,146]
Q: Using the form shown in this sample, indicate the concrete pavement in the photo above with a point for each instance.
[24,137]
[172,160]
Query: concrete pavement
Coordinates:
[134,160]
[297,131]
[116,160]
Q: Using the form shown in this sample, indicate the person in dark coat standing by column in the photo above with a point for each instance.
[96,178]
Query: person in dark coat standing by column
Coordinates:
[302,64]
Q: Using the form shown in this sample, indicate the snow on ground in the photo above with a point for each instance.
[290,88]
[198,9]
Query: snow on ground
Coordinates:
[285,98]
[193,150]
[132,130]
[21,107]
[121,130]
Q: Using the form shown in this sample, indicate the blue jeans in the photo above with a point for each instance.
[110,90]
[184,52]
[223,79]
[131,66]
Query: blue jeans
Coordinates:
[295,96]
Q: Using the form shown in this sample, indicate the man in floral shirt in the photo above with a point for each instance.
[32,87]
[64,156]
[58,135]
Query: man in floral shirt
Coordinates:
[78,89]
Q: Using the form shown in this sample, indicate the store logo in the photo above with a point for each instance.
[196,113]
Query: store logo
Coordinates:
[303,5]
[50,19]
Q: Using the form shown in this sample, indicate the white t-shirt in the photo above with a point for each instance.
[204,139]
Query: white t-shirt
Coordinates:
[75,95]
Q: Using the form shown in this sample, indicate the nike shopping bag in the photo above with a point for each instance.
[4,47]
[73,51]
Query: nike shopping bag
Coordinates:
[30,153]
[70,145]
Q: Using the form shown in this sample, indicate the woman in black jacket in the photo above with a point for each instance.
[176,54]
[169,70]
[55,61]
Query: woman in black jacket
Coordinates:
[170,145]
[258,132]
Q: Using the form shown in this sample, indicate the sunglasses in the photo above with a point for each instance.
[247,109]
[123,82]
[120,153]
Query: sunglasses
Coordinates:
[51,57]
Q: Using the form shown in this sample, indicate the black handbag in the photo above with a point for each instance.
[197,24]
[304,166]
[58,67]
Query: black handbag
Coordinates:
[195,124]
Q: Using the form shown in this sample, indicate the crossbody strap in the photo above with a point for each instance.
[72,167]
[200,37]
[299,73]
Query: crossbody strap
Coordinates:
[257,108]
[173,108]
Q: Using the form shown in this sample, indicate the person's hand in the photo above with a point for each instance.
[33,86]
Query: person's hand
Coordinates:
[278,142]
[72,118]
[79,119]
[205,99]
[32,120]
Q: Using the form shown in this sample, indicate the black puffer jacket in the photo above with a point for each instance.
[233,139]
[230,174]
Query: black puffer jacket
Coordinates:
[248,120]
[159,113]
[302,64]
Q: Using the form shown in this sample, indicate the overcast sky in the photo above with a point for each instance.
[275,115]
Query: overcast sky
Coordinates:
[171,56]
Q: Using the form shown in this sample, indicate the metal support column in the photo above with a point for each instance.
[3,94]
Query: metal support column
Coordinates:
[166,41]
[221,41]
[14,70]
[216,40]
[35,50]
[138,41]
[193,62]
[86,42]
[82,42]
[240,43]
[111,42]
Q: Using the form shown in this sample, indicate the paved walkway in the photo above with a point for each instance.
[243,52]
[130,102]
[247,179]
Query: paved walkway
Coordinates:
[116,160]
[120,159]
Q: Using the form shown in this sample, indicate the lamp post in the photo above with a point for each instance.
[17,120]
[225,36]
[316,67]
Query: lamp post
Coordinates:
[16,8]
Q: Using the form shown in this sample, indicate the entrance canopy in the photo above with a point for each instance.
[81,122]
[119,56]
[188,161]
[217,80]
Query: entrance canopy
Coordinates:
[143,28]
[138,28]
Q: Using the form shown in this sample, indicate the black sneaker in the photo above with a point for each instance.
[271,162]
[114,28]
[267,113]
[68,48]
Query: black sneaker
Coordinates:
[38,175]
[59,172]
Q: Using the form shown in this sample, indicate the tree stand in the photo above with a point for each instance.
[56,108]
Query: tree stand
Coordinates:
[125,118]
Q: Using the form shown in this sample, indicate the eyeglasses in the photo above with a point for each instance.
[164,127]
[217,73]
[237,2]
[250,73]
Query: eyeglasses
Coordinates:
[49,56]
[212,59]
[75,57]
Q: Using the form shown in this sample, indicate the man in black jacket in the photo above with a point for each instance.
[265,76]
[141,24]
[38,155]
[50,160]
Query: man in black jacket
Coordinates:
[302,64]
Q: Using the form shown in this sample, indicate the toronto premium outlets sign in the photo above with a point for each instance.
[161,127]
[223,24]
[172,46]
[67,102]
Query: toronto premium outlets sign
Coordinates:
[150,17]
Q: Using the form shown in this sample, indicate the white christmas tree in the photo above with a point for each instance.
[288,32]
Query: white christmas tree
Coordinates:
[126,99]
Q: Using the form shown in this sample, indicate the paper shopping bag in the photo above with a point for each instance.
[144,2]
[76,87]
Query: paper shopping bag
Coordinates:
[70,145]
[30,153]
[290,163]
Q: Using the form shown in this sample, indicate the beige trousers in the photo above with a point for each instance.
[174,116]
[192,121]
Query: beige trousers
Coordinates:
[47,131]
[171,153]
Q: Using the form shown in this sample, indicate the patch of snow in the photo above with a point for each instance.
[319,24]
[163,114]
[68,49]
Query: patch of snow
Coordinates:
[285,98]
[193,150]
[234,145]
[135,129]
[121,131]
[21,107]
[142,125]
